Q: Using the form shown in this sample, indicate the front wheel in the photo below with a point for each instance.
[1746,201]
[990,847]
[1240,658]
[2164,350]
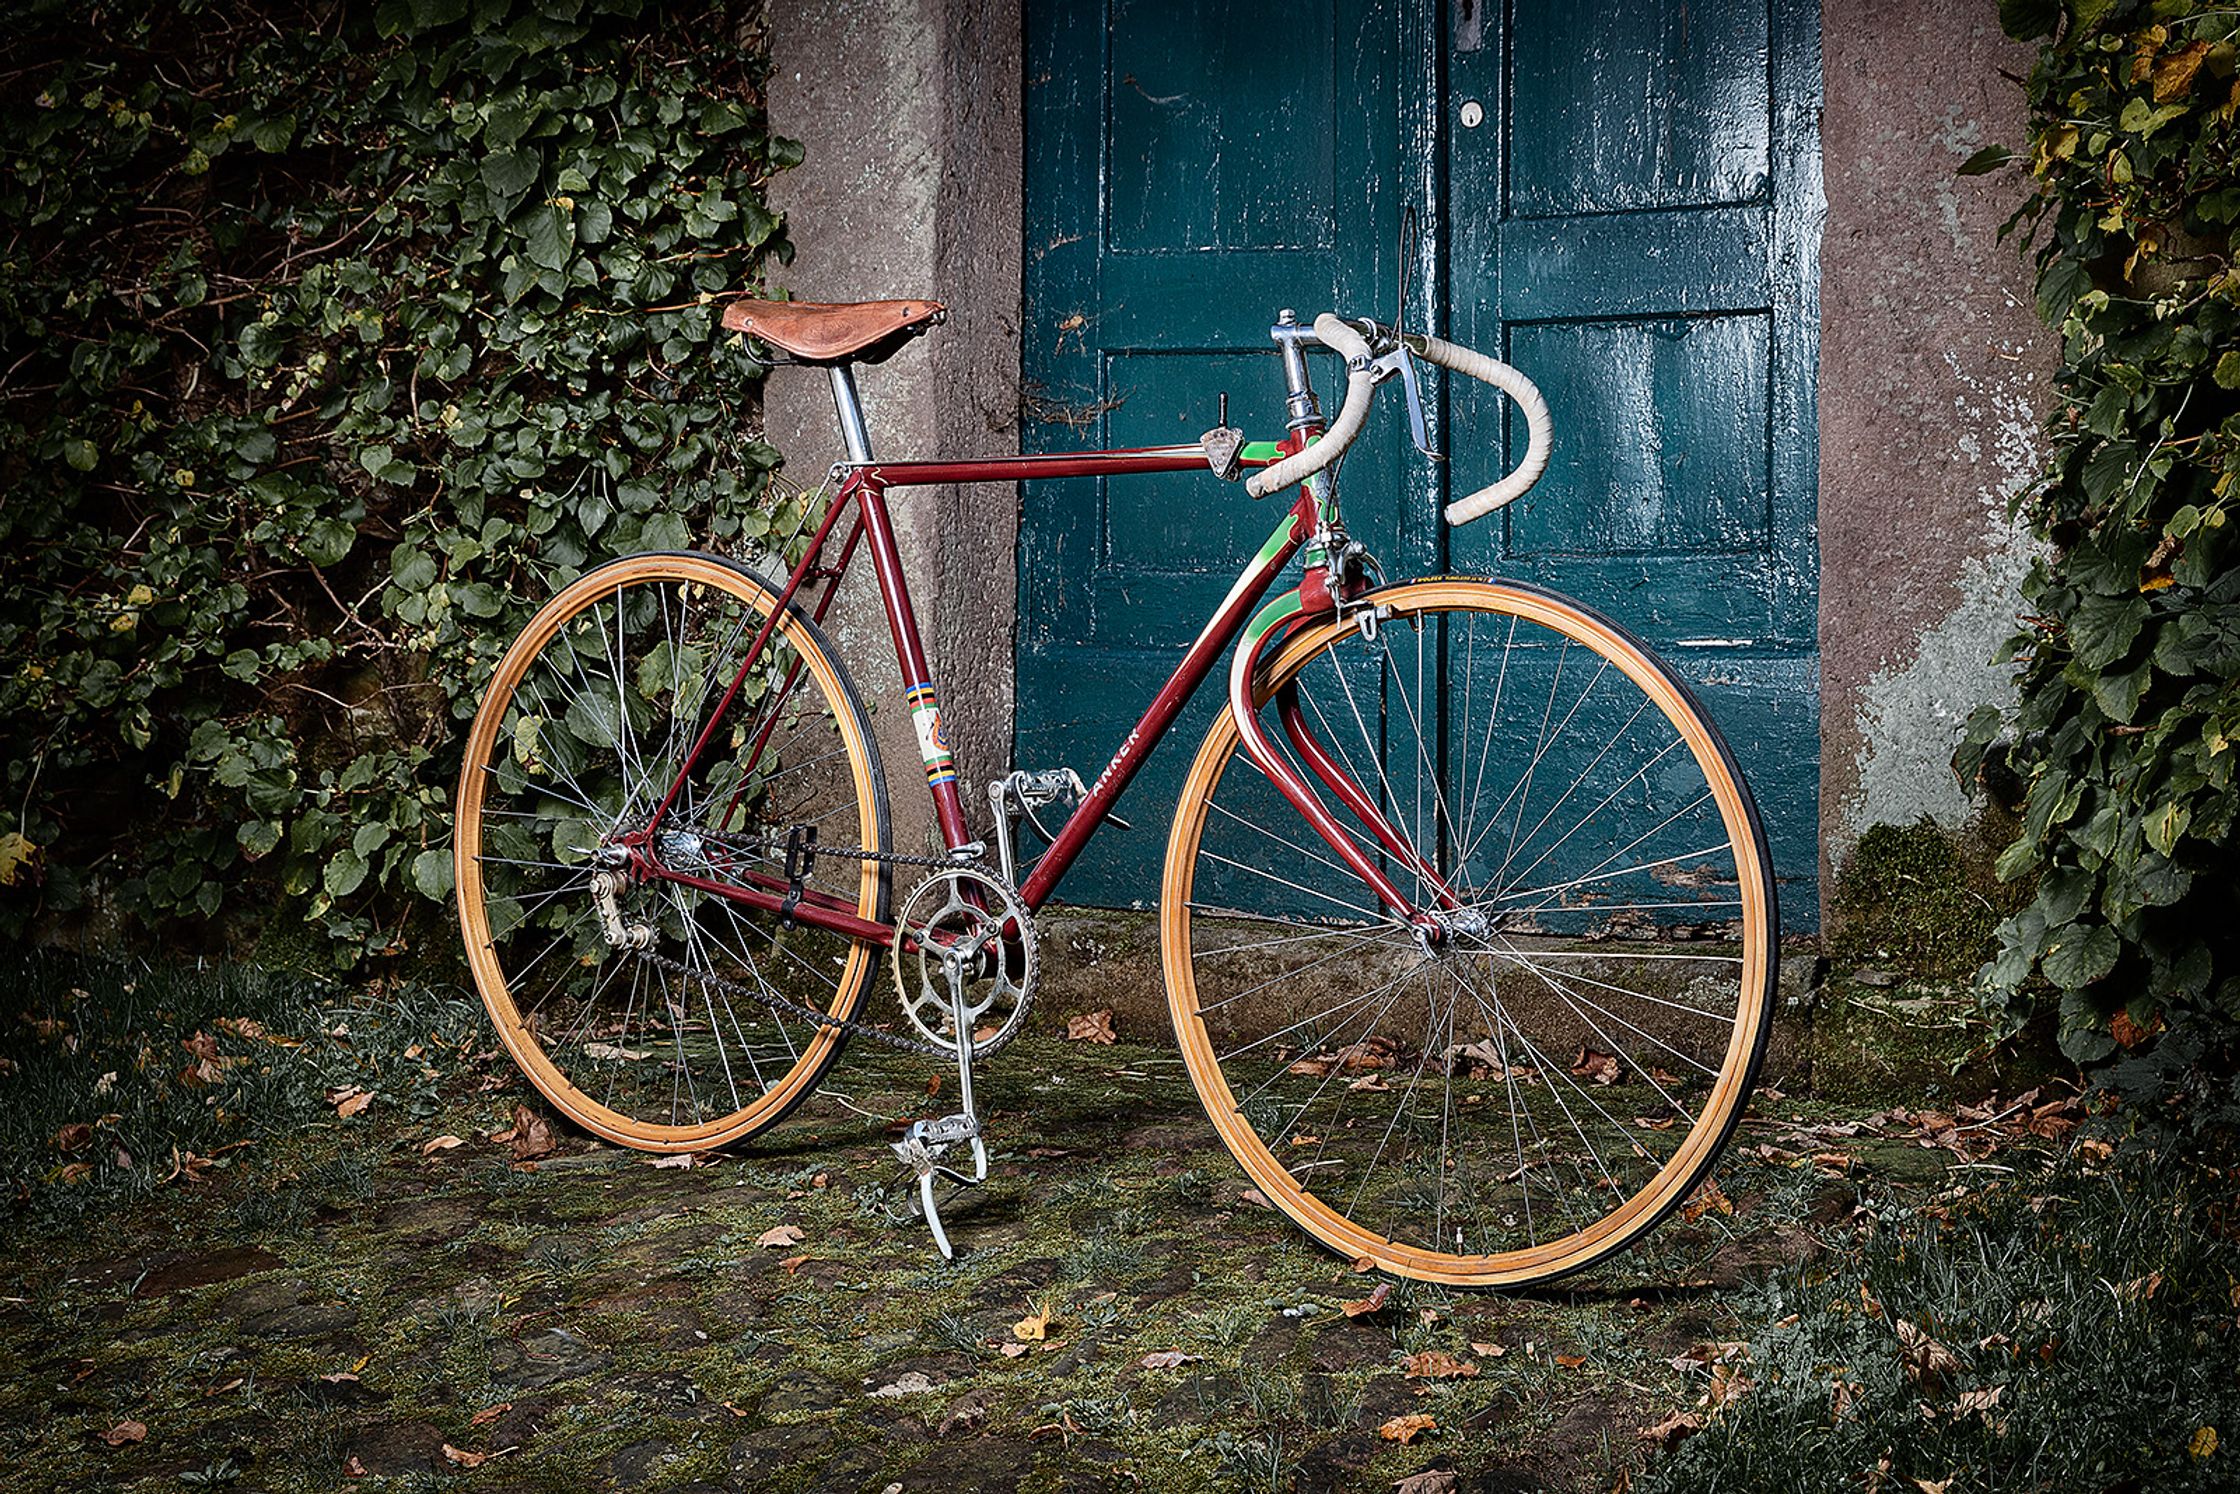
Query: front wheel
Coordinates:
[1534,1088]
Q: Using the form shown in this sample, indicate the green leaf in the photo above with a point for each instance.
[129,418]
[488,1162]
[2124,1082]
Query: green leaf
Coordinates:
[432,874]
[2027,20]
[2166,823]
[2083,1031]
[2078,954]
[2142,118]
[2118,695]
[345,870]
[550,235]
[81,453]
[509,173]
[1989,159]
[2059,287]
[328,541]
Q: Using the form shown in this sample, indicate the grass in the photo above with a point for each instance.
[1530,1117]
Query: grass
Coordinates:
[2080,1334]
[117,1079]
[444,1280]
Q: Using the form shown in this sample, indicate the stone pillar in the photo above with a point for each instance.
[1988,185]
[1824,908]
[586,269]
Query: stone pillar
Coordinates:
[1933,371]
[910,186]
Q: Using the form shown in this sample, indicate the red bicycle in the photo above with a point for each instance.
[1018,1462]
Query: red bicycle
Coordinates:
[1468,922]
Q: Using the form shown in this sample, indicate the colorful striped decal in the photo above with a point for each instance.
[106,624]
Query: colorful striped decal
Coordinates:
[933,740]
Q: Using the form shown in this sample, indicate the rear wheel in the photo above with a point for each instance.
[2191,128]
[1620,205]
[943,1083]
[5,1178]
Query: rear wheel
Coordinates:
[660,1043]
[1536,1088]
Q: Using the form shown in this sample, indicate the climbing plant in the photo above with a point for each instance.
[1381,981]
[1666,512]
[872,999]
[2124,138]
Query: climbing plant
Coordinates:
[336,337]
[2126,725]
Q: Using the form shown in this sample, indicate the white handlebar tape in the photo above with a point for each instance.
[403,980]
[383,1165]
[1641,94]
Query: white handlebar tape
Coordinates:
[1299,466]
[1537,421]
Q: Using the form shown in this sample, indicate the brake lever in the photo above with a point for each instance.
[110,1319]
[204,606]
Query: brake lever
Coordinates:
[1401,364]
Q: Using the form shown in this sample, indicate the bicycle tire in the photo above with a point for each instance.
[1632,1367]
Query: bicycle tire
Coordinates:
[1269,1081]
[547,763]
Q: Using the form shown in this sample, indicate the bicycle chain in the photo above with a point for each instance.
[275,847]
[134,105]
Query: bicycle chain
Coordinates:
[810,1014]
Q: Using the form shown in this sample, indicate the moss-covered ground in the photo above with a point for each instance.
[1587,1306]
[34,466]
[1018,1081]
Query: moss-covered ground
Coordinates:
[336,1304]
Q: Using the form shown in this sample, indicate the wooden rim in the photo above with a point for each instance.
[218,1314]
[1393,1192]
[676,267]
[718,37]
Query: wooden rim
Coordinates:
[1688,1165]
[489,977]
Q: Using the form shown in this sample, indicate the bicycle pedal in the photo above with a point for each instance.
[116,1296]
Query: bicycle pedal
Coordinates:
[945,1130]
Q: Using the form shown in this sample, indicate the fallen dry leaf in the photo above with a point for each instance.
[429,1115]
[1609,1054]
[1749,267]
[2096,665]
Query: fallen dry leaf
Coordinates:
[1601,1068]
[1936,1486]
[440,1144]
[532,1135]
[1166,1359]
[679,1161]
[1256,1198]
[1706,1200]
[1371,1303]
[463,1458]
[1405,1429]
[1011,1351]
[349,1100]
[1728,1385]
[1034,1327]
[124,1432]
[1842,1397]
[75,1137]
[1438,1364]
[1091,1027]
[911,1382]
[779,1237]
[352,1468]
[488,1414]
[794,1263]
[1674,1429]
[1980,1402]
[1430,1481]
[1926,1361]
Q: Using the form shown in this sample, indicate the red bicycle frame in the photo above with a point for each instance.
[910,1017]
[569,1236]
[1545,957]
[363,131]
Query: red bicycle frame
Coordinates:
[864,493]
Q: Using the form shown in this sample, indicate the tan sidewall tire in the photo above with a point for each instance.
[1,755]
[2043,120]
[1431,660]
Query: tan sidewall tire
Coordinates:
[1679,1176]
[489,977]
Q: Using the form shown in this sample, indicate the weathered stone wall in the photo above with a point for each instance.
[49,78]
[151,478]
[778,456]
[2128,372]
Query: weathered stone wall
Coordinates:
[1933,375]
[911,187]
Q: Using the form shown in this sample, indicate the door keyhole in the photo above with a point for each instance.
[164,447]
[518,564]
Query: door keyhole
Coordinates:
[1473,114]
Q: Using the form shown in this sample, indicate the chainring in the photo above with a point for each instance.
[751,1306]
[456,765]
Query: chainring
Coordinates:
[965,909]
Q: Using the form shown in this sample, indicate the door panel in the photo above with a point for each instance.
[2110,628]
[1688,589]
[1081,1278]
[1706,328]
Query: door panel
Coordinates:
[1634,223]
[1190,172]
[1633,226]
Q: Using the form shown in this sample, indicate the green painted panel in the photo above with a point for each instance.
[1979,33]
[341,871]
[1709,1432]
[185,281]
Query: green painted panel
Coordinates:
[1190,172]
[1223,135]
[1652,104]
[1665,447]
[1634,223]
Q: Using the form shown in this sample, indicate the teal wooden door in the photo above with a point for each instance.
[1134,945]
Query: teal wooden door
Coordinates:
[1623,201]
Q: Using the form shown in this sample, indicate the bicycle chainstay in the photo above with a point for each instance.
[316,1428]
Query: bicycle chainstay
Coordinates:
[809,1014]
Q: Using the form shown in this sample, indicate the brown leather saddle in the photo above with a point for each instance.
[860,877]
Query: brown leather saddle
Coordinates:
[833,331]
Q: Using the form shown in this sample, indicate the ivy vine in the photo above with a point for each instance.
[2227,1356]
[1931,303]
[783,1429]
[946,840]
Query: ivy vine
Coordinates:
[2126,726]
[336,338]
